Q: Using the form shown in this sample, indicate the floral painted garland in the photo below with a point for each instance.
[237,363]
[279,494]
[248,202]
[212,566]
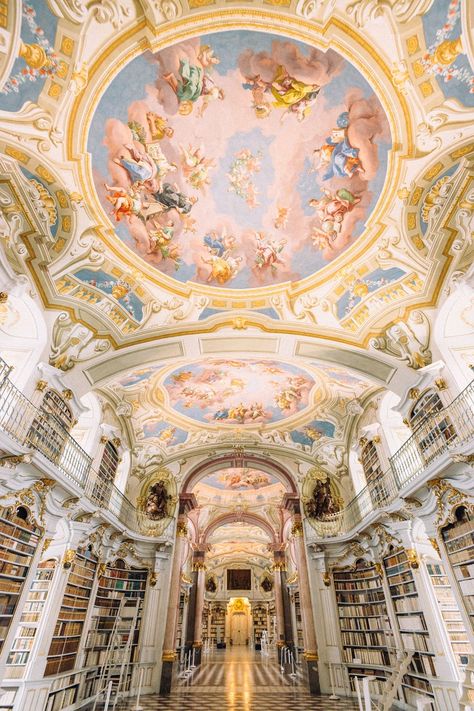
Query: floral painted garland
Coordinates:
[30,73]
[443,49]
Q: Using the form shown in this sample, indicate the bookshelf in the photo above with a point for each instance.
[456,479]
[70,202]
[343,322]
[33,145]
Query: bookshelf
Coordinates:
[412,627]
[299,641]
[364,623]
[63,692]
[31,614]
[180,632]
[218,624]
[18,542]
[450,613]
[72,615]
[117,583]
[458,539]
[259,619]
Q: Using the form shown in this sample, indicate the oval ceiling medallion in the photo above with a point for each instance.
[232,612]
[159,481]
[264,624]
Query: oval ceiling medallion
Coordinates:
[239,159]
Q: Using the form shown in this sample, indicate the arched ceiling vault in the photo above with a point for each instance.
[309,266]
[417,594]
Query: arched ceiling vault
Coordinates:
[240,221]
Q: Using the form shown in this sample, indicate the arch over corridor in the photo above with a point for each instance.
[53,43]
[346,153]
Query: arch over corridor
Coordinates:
[232,461]
[236,517]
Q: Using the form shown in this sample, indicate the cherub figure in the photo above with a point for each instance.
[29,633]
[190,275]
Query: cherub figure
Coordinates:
[158,126]
[267,252]
[195,166]
[219,244]
[331,209]
[160,241]
[281,220]
[127,203]
[222,268]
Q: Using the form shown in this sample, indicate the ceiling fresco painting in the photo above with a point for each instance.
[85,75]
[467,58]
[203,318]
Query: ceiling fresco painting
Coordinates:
[37,60]
[239,159]
[445,56]
[240,391]
[239,479]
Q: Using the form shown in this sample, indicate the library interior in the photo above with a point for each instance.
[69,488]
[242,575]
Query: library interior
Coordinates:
[236,454]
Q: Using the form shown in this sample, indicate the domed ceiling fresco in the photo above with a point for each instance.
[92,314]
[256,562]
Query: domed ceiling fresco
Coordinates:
[239,159]
[242,391]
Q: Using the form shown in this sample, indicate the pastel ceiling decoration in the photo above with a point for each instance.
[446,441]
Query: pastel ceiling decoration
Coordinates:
[239,159]
[241,391]
[239,479]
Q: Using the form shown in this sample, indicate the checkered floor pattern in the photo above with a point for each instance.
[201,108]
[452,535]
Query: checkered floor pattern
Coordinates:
[278,700]
[240,680]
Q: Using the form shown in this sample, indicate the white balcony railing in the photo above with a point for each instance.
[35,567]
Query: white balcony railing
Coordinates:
[436,435]
[439,433]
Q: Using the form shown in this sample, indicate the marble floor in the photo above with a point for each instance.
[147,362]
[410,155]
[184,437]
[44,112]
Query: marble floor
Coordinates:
[239,679]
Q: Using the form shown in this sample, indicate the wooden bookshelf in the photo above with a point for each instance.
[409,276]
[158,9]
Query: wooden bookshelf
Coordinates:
[412,627]
[450,613]
[364,623]
[459,543]
[117,584]
[72,615]
[64,692]
[259,618]
[218,623]
[19,539]
[299,641]
[31,614]
[180,632]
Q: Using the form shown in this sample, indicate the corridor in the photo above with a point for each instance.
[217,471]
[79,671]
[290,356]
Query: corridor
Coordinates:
[238,679]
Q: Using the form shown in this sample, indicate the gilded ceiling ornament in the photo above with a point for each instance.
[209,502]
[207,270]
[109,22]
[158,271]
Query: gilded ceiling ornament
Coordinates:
[413,559]
[364,11]
[73,343]
[46,200]
[407,340]
[448,499]
[68,558]
[3,297]
[432,198]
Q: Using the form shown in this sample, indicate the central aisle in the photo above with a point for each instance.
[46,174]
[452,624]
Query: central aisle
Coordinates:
[238,679]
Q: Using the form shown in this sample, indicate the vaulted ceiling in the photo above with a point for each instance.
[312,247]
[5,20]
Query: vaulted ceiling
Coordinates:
[236,218]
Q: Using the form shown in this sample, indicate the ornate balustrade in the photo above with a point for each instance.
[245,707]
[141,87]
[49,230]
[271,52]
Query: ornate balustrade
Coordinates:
[41,431]
[436,435]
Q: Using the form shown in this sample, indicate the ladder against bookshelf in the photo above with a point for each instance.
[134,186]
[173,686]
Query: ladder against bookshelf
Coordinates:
[450,613]
[458,538]
[364,623]
[19,538]
[72,614]
[118,584]
[31,615]
[411,626]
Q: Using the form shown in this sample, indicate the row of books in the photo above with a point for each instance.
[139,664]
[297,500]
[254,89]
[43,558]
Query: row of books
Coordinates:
[367,656]
[372,597]
[364,623]
[372,584]
[361,610]
[368,639]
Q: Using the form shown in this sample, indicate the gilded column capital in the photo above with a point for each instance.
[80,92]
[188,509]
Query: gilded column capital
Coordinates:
[310,655]
[168,655]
